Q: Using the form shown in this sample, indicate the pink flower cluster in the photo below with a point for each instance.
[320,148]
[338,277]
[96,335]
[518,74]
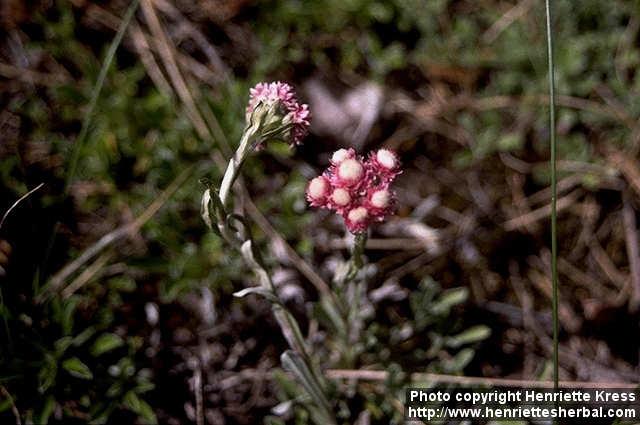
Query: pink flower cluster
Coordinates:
[357,188]
[284,97]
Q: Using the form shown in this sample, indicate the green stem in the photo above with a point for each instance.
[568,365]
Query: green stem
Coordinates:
[554,244]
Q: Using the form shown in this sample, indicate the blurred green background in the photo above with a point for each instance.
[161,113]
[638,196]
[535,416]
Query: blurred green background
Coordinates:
[116,302]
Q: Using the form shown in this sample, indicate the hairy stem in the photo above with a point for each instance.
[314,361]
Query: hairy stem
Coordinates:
[235,163]
[358,249]
[243,241]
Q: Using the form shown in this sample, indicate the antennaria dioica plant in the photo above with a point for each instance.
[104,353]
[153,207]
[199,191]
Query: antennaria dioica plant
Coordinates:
[355,187]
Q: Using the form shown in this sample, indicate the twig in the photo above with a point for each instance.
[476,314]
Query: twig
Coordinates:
[512,15]
[579,277]
[412,265]
[27,75]
[197,384]
[631,233]
[58,279]
[605,263]
[571,321]
[520,201]
[382,375]
[542,212]
[528,320]
[385,244]
[14,409]
[86,275]
[164,46]
[141,44]
[15,204]
[629,168]
[563,185]
[504,101]
[197,36]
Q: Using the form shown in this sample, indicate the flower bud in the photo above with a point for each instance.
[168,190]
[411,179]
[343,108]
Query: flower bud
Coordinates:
[317,191]
[341,154]
[379,203]
[383,166]
[340,198]
[387,159]
[380,198]
[350,172]
[357,220]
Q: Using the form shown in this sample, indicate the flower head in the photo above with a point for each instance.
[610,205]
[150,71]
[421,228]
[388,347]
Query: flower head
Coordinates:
[275,107]
[340,199]
[380,202]
[384,165]
[356,189]
[342,154]
[349,173]
[357,219]
[318,190]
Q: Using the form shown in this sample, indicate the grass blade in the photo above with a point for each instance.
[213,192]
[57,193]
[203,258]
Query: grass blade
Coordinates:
[77,147]
[84,130]
[552,138]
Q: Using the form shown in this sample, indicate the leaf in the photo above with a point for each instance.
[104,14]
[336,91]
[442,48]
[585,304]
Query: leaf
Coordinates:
[510,142]
[47,410]
[450,299]
[139,406]
[459,361]
[471,335]
[258,290]
[270,420]
[293,362]
[437,341]
[100,412]
[114,390]
[331,311]
[283,408]
[62,344]
[77,369]
[206,214]
[67,314]
[83,336]
[5,404]
[106,342]
[47,374]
